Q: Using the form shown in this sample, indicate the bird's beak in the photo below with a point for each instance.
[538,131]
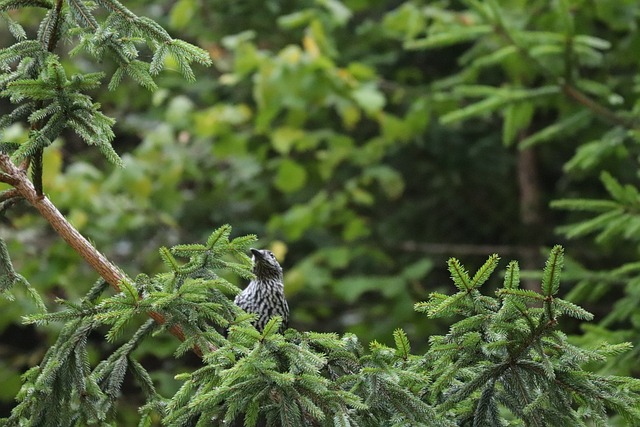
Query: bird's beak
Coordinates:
[256,253]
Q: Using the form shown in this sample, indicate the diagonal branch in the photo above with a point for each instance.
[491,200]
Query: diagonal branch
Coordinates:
[54,37]
[580,97]
[571,91]
[105,268]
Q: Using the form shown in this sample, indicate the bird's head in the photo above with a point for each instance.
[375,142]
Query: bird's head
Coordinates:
[265,264]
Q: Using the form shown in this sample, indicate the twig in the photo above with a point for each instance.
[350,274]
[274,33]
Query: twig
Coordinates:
[9,194]
[581,98]
[8,198]
[7,179]
[467,249]
[107,270]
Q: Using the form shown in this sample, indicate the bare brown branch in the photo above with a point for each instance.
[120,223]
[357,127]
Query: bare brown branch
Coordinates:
[107,270]
[9,194]
[7,179]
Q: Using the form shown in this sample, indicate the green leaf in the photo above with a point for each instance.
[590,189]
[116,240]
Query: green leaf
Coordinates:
[369,98]
[517,118]
[283,139]
[585,205]
[182,13]
[568,124]
[417,270]
[352,287]
[591,225]
[407,21]
[388,178]
[290,177]
[485,106]
[355,228]
[592,155]
[626,194]
[446,38]
[296,19]
[494,58]
[338,10]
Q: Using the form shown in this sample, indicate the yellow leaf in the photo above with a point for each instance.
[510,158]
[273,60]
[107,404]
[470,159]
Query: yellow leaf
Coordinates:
[310,46]
[291,54]
[279,249]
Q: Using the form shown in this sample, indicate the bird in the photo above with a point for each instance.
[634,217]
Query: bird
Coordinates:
[264,296]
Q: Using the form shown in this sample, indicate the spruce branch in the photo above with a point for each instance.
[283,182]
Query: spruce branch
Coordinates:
[572,92]
[32,77]
[9,277]
[82,14]
[17,4]
[49,36]
[54,35]
[107,270]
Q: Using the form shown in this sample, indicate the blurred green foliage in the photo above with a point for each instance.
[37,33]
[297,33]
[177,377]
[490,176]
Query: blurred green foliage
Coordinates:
[365,143]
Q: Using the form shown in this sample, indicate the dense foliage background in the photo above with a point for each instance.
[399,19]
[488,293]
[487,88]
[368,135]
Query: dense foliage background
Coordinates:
[364,142]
